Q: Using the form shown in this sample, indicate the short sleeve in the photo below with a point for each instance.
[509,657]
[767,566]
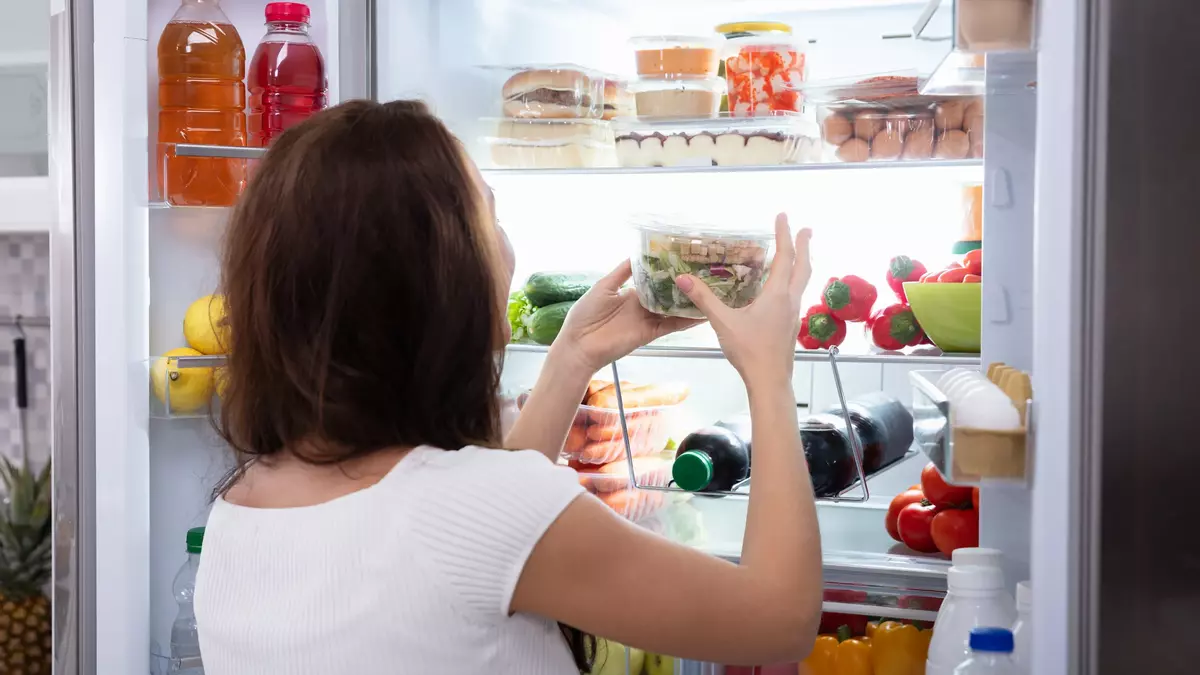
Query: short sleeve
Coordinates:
[481,513]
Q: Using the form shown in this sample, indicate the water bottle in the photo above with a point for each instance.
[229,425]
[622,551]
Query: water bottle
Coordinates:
[185,641]
[991,653]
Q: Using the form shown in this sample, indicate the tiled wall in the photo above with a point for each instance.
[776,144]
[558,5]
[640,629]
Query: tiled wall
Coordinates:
[25,290]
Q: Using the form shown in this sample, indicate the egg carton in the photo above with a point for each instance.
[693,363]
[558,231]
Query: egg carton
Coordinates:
[967,455]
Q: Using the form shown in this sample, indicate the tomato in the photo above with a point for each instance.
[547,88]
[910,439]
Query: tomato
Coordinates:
[913,495]
[975,498]
[973,262]
[938,491]
[952,276]
[955,528]
[914,524]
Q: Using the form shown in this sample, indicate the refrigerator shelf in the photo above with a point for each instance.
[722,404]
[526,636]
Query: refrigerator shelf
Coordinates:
[817,167]
[801,355]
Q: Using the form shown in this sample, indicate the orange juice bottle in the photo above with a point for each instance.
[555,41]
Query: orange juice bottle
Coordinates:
[201,99]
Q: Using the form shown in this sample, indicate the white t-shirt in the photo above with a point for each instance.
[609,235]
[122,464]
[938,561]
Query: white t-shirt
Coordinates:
[411,575]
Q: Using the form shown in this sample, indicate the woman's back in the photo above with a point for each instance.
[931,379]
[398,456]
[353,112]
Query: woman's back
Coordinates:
[411,575]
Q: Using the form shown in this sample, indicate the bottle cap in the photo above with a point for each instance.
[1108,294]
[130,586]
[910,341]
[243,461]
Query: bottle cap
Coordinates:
[983,557]
[693,470]
[1025,596]
[754,27]
[975,578]
[195,539]
[991,640]
[292,12]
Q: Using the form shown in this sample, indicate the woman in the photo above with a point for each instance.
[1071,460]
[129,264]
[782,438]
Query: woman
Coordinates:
[370,528]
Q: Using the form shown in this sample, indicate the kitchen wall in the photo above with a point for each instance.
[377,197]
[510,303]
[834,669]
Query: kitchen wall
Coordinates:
[25,290]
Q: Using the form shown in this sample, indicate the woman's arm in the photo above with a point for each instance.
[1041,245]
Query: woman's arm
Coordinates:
[595,571]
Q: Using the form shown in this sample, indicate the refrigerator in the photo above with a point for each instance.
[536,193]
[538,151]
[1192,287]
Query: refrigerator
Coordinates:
[132,474]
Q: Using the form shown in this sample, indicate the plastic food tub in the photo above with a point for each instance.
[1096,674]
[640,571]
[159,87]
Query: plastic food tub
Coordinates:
[550,91]
[550,144]
[596,437]
[764,67]
[678,98]
[675,56]
[612,484]
[719,141]
[731,262]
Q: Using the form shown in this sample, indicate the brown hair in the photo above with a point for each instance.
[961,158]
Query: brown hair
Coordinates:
[362,298]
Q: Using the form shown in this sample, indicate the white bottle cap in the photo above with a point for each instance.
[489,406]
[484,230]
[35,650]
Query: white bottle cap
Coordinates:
[1025,597]
[975,578]
[983,557]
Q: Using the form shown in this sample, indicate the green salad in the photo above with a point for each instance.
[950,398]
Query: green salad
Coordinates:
[734,268]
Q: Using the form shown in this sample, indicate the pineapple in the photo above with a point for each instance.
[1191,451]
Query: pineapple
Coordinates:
[25,637]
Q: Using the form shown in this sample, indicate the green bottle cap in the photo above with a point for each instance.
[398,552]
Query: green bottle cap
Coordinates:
[693,470]
[195,539]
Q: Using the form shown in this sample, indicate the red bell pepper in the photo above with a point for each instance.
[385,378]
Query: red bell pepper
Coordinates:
[894,327]
[901,269]
[820,329]
[850,298]
[831,621]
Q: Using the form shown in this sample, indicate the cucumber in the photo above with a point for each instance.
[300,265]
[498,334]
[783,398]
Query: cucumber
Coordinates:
[547,321]
[546,288]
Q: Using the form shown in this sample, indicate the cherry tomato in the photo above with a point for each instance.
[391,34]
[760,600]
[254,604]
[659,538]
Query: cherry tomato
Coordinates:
[914,525]
[941,493]
[955,528]
[952,276]
[973,262]
[972,279]
[913,495]
[975,498]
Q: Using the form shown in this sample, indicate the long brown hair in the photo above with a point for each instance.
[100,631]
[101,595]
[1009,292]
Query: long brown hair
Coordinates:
[362,297]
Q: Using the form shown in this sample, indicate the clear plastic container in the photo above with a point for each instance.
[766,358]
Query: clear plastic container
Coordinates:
[550,144]
[596,437]
[611,483]
[675,56]
[286,81]
[550,91]
[991,653]
[764,66]
[678,98]
[720,141]
[732,263]
[185,639]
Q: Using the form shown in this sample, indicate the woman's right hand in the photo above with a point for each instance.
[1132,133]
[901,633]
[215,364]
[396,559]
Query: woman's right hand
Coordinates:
[760,339]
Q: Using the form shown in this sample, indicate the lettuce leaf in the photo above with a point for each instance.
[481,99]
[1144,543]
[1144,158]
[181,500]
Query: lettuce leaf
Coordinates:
[519,312]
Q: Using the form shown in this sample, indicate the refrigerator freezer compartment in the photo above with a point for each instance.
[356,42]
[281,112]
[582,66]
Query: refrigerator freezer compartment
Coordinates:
[722,141]
[938,129]
[550,144]
[967,455]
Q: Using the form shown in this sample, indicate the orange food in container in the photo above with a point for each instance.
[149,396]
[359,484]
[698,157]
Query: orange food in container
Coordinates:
[675,56]
[764,68]
[612,485]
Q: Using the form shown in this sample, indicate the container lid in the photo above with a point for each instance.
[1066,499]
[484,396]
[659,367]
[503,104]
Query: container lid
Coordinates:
[728,29]
[991,640]
[985,557]
[886,91]
[294,12]
[684,226]
[543,132]
[195,539]
[785,124]
[1024,596]
[693,470]
[975,578]
[642,42]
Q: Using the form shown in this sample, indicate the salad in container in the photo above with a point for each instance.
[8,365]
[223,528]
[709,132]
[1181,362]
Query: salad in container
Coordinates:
[731,262]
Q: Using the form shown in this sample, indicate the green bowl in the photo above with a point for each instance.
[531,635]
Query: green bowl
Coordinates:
[949,313]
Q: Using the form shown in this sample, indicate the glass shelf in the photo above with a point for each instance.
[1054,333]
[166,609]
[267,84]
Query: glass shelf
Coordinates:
[971,29]
[784,168]
[917,357]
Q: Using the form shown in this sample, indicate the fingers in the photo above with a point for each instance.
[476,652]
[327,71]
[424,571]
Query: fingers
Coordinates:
[802,268]
[613,280]
[785,253]
[702,296]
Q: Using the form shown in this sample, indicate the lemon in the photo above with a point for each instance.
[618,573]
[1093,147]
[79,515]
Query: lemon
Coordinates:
[220,381]
[204,325]
[191,388]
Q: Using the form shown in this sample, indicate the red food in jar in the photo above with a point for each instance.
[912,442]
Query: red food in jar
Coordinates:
[763,79]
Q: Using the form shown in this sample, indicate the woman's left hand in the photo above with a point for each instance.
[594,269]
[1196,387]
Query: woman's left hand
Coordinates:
[609,322]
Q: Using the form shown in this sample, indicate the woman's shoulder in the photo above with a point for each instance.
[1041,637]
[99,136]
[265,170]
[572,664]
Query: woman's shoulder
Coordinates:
[479,462]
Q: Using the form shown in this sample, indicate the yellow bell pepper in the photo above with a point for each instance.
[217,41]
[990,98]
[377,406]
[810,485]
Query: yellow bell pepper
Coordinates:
[839,655]
[899,649]
[823,658]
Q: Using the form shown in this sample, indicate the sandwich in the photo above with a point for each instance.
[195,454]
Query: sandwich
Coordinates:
[550,94]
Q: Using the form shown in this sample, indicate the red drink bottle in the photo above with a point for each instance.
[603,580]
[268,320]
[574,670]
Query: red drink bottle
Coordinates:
[286,81]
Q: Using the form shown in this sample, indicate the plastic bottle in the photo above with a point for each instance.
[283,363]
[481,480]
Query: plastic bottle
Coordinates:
[976,597]
[1023,629]
[185,641]
[991,650]
[201,99]
[286,81]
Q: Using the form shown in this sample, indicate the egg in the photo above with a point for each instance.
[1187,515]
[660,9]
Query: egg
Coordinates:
[948,115]
[951,375]
[987,408]
[953,145]
[973,116]
[838,129]
[959,387]
[854,150]
[867,125]
[887,144]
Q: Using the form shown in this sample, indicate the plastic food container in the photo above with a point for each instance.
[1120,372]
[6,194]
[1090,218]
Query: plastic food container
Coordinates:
[596,437]
[611,483]
[764,68]
[675,56]
[718,141]
[550,144]
[678,98]
[732,263]
[553,91]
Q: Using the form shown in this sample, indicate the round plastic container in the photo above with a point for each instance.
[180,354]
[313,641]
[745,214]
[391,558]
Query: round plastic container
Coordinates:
[976,597]
[675,56]
[732,263]
[764,67]
[678,98]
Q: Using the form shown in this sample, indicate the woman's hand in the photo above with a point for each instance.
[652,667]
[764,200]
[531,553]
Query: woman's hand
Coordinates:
[609,322]
[760,340]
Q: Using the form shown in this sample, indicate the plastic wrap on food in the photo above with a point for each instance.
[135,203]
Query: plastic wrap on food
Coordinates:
[550,144]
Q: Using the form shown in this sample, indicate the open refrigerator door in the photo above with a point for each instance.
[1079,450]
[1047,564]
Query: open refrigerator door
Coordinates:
[822,110]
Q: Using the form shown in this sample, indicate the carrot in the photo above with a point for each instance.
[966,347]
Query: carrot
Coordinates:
[601,452]
[598,385]
[639,425]
[644,396]
[973,262]
[952,276]
[576,440]
[632,503]
[615,475]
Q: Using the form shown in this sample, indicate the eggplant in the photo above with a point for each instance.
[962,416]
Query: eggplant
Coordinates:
[712,459]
